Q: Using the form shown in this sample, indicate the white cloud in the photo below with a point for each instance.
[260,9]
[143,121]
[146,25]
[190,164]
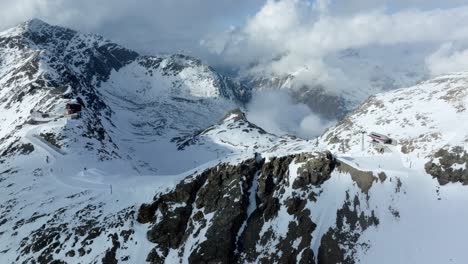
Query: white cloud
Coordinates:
[447,59]
[276,112]
[294,36]
[292,28]
[340,7]
[145,25]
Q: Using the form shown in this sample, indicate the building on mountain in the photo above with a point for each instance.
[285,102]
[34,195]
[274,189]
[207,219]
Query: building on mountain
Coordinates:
[380,138]
[73,108]
[379,142]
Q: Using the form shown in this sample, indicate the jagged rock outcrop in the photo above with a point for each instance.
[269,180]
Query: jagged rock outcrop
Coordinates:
[312,171]
[212,204]
[231,213]
[449,166]
[349,224]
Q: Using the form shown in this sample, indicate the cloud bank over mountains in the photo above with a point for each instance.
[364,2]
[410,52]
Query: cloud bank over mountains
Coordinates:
[448,58]
[276,36]
[284,36]
[278,113]
[358,47]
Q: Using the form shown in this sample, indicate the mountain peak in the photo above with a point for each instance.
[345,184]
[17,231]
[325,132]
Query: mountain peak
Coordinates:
[34,23]
[235,115]
[35,29]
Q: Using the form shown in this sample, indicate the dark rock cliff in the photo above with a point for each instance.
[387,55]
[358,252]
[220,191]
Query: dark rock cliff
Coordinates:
[229,213]
[451,166]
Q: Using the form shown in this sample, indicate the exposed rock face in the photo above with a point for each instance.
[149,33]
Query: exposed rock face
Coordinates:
[313,172]
[327,105]
[92,58]
[349,222]
[363,179]
[449,166]
[231,213]
[213,204]
[46,242]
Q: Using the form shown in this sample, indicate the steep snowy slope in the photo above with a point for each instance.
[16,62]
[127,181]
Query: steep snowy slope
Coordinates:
[428,121]
[359,206]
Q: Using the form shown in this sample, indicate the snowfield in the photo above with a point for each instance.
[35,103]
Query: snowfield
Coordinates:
[422,119]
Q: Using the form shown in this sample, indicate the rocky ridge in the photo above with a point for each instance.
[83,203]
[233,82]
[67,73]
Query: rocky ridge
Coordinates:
[251,211]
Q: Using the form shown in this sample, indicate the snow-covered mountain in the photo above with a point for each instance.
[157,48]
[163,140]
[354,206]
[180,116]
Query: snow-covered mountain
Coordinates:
[427,120]
[158,168]
[132,104]
[302,206]
[57,170]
